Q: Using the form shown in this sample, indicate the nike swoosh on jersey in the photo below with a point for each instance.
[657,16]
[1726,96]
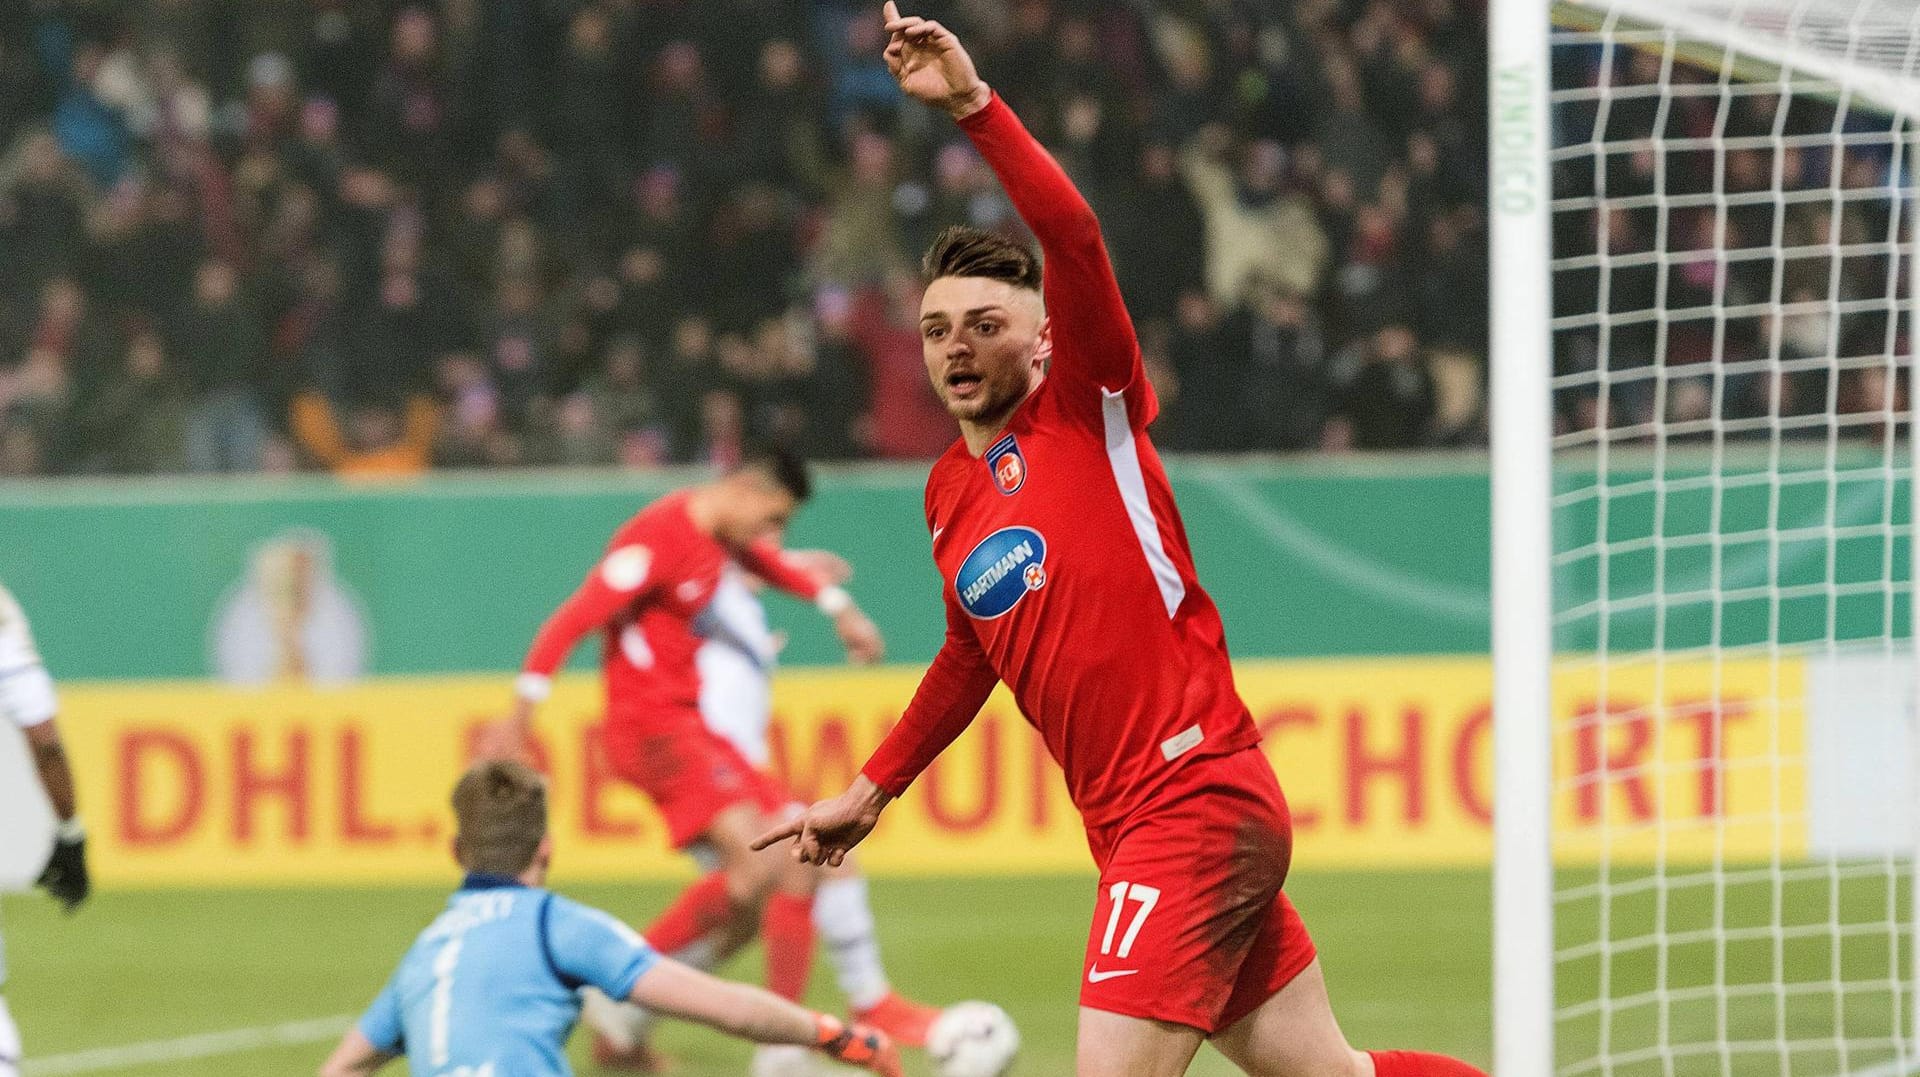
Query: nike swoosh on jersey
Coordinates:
[937,532]
[1094,975]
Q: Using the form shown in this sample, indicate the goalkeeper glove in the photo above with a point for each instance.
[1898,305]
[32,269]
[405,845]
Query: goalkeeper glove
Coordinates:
[857,1045]
[65,876]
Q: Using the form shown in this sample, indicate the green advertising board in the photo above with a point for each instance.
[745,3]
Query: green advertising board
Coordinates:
[1306,558]
[155,579]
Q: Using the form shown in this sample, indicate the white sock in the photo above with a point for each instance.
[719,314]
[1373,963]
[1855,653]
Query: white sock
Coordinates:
[623,1023]
[844,919]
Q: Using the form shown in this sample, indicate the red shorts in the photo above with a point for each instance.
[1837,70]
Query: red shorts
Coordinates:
[1190,924]
[690,774]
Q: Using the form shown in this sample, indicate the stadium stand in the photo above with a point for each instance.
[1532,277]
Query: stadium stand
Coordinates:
[638,232]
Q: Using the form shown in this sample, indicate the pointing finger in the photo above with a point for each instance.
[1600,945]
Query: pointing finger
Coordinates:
[789,829]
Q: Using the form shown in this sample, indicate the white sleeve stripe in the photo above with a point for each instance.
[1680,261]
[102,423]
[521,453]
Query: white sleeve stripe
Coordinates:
[1123,455]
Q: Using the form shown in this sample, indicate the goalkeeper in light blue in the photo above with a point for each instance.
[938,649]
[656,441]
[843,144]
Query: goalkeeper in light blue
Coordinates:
[492,987]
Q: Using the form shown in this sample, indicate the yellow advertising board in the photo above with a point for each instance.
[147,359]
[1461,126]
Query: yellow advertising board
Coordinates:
[1386,763]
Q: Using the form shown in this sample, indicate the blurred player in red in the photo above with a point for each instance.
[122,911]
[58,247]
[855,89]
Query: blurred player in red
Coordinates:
[1068,576]
[739,651]
[660,572]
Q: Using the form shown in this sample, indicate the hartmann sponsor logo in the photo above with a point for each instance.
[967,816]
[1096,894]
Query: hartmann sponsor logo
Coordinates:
[997,571]
[1000,571]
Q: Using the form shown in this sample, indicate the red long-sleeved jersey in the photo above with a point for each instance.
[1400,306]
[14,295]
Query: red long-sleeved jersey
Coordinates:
[1066,566]
[658,574]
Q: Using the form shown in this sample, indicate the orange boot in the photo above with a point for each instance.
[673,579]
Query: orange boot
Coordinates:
[901,1018]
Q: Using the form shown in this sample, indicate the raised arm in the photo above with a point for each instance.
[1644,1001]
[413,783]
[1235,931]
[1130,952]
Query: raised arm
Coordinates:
[1093,338]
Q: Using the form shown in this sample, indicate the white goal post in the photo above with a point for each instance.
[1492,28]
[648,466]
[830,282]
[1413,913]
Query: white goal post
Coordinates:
[1703,249]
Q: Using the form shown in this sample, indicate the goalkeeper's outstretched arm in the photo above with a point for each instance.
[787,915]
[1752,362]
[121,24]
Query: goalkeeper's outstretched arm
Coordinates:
[355,1056]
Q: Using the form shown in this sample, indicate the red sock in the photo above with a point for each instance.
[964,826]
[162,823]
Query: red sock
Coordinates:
[1419,1064]
[787,928]
[699,909]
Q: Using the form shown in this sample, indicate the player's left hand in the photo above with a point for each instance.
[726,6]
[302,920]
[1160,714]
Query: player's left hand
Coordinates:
[859,1045]
[931,66]
[826,832]
[860,636]
[65,876]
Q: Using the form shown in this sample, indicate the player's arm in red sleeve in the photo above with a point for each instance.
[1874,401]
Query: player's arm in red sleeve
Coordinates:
[1093,336]
[768,561]
[856,630]
[1094,346]
[625,575]
[950,695]
[955,687]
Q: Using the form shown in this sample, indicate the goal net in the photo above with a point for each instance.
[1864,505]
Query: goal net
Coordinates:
[1733,796]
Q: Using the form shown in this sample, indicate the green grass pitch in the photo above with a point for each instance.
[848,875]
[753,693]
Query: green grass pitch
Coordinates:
[1407,955]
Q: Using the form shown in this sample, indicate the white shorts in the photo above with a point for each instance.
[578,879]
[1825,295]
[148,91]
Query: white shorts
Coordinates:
[736,700]
[26,696]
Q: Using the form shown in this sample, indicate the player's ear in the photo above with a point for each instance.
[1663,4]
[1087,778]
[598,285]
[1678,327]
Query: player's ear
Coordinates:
[1043,342]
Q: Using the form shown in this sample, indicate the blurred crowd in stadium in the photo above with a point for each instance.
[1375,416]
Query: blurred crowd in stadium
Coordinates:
[1746,280]
[241,235]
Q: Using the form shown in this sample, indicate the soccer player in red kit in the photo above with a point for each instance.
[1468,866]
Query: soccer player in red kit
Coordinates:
[658,574]
[1068,576]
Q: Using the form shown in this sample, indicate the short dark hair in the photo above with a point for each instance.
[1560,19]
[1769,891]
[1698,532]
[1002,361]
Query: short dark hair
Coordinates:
[501,808]
[786,468]
[961,251]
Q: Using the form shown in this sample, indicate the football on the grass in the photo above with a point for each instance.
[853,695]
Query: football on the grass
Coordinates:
[972,1039]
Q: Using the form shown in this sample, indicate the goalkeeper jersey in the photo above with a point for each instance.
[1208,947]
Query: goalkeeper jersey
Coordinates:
[491,987]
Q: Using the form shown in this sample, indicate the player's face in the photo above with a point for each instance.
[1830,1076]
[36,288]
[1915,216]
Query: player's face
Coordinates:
[985,344]
[757,509]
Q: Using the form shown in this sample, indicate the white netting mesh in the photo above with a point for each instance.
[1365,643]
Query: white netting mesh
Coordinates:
[1732,220]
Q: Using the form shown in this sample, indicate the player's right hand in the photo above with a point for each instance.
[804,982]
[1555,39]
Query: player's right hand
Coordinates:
[826,832]
[931,66]
[65,877]
[858,1045]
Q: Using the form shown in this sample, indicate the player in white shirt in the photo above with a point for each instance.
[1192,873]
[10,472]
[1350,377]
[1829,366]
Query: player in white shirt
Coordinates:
[736,665]
[27,701]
